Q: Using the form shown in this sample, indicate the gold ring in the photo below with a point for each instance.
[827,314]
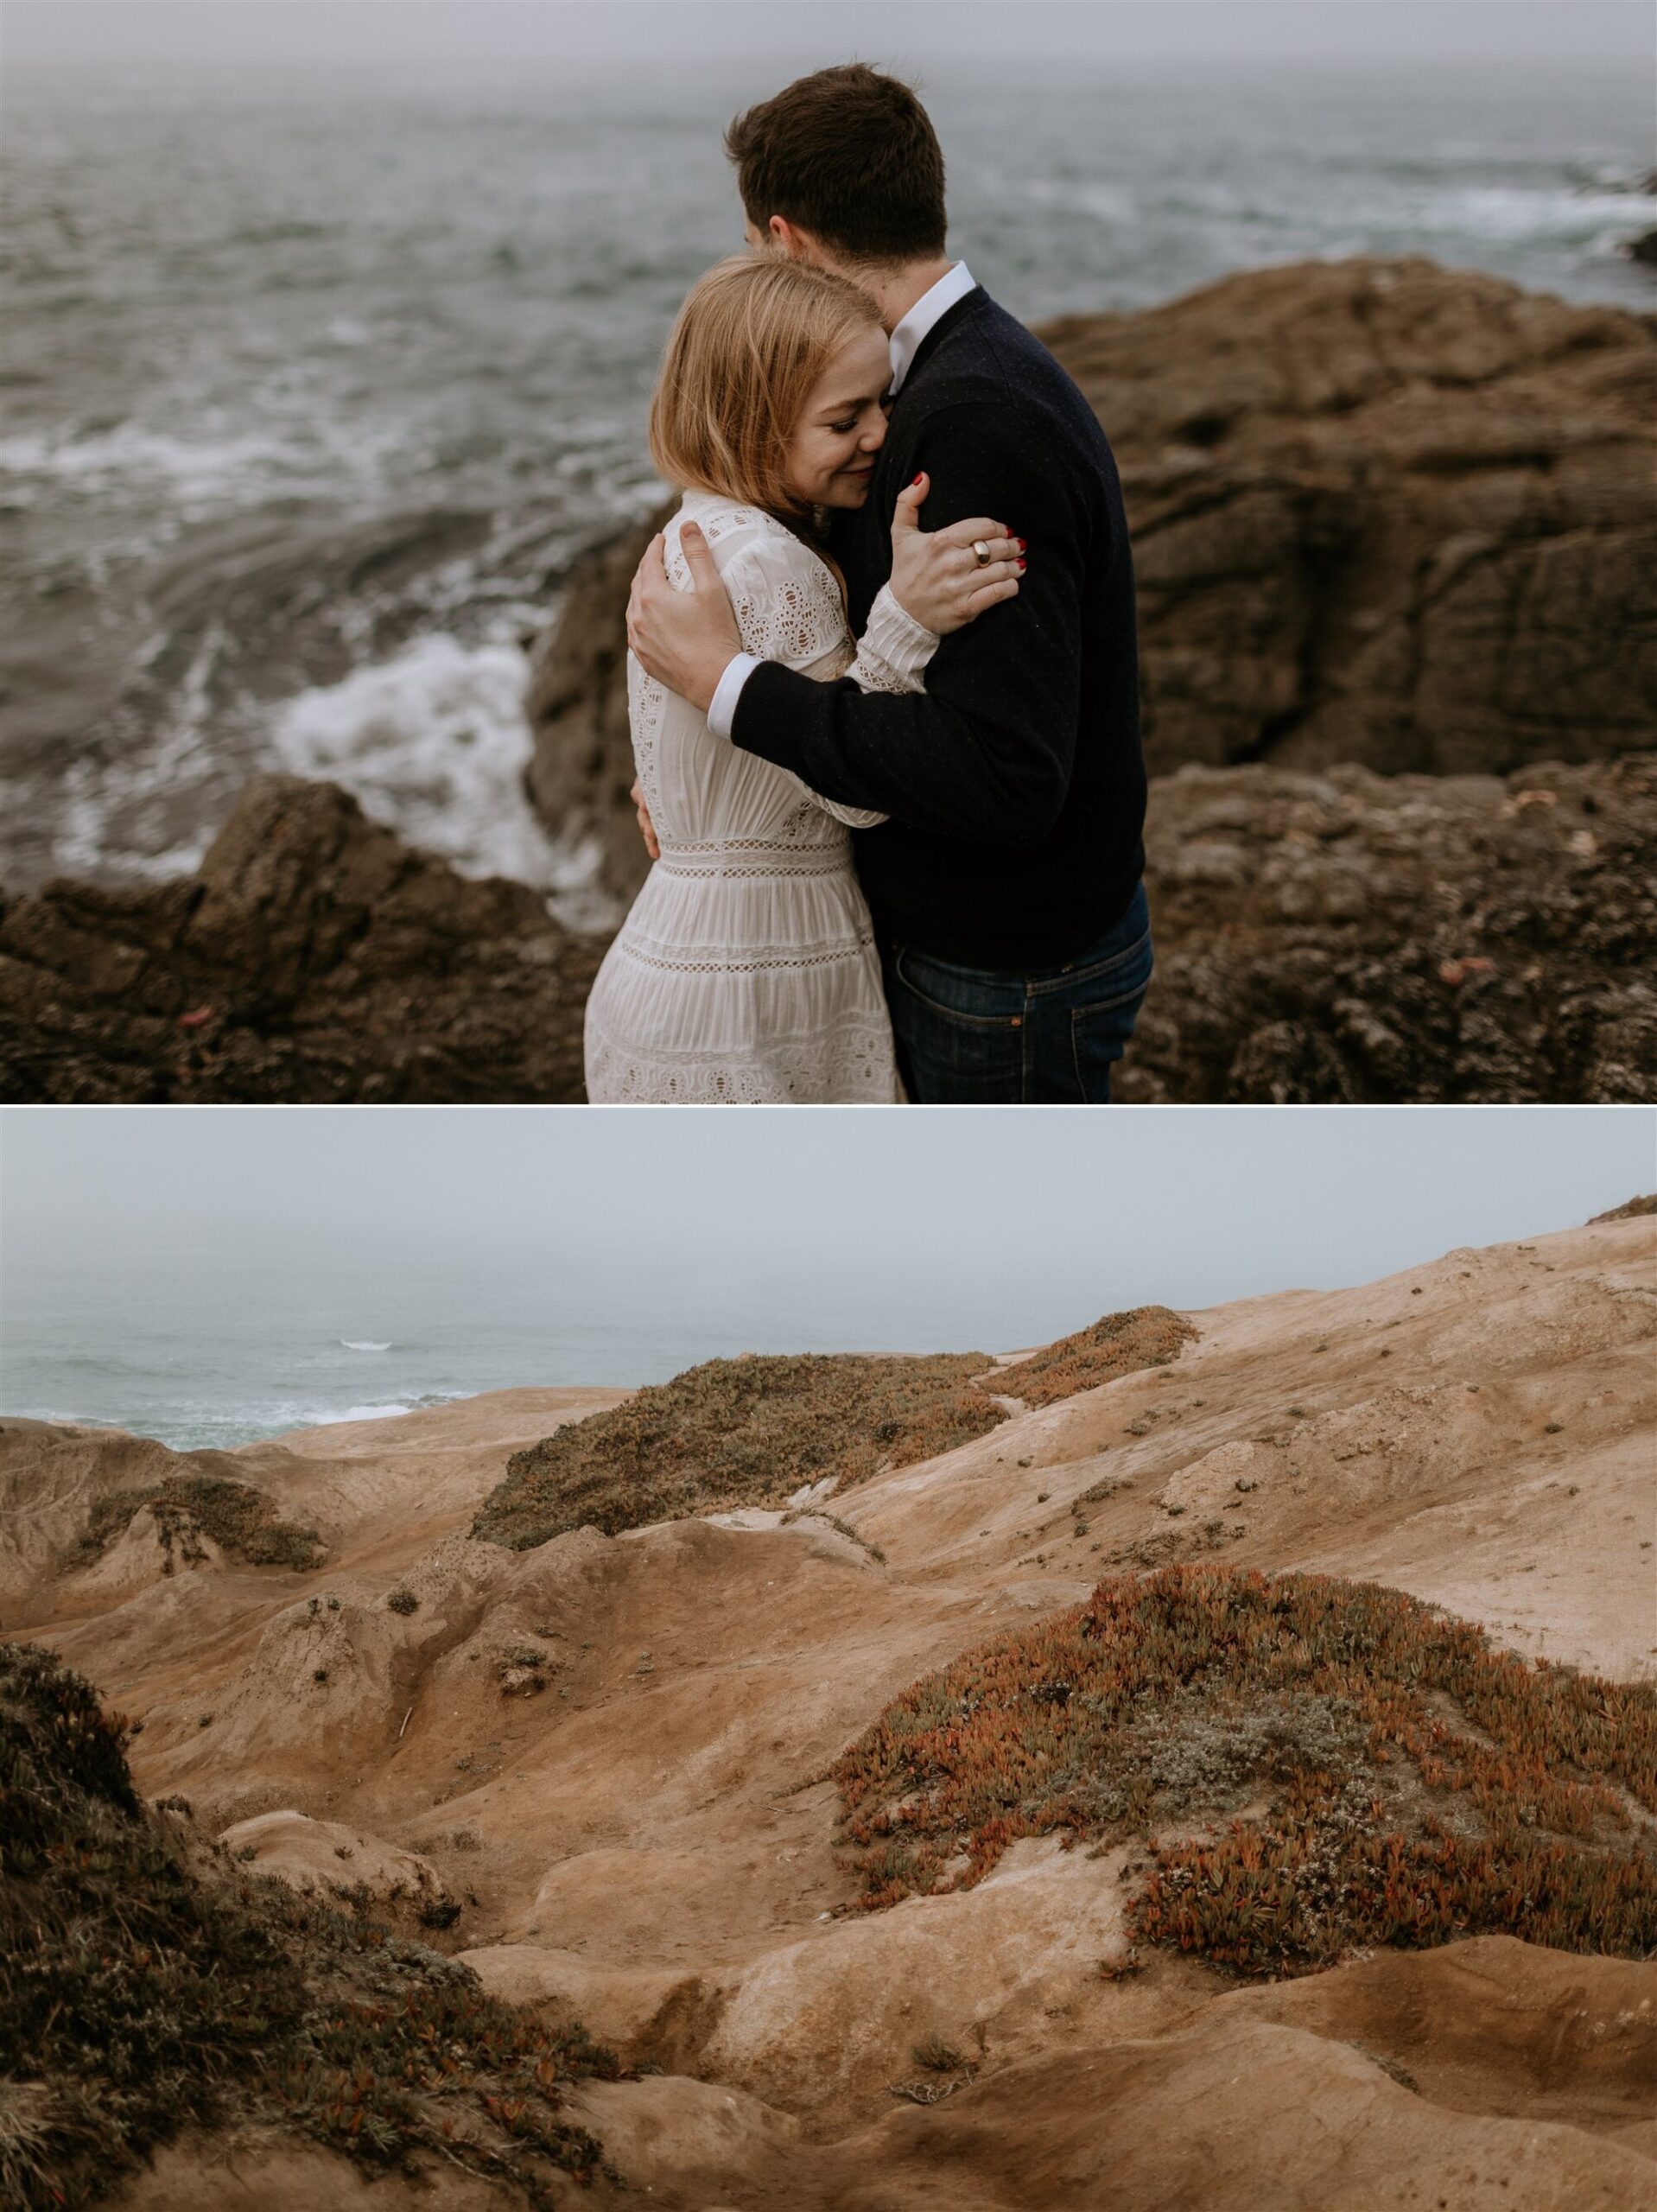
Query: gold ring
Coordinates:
[980,551]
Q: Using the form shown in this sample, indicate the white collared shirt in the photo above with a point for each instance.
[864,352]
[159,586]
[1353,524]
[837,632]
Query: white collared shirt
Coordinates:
[955,284]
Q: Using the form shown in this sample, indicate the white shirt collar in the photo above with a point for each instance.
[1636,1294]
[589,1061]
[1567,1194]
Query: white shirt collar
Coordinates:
[953,285]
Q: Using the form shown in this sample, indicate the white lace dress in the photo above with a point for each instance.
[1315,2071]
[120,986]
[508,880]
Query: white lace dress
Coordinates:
[746,971]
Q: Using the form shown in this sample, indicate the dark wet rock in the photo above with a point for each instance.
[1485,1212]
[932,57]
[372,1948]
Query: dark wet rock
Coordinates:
[315,956]
[582,767]
[1382,513]
[1350,936]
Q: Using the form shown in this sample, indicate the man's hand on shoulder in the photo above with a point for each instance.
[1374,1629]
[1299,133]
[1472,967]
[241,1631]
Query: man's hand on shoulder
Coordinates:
[684,639]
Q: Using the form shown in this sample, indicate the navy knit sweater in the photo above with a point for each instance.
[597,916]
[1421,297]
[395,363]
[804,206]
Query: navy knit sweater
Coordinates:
[1016,784]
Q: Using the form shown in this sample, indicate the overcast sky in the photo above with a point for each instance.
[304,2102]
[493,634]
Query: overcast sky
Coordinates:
[1001,1221]
[255,47]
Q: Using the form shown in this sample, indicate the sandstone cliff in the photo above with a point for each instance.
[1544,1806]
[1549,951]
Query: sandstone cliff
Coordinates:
[620,1757]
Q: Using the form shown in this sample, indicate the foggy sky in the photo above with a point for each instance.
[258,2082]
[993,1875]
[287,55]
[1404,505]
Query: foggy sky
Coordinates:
[1004,1223]
[252,49]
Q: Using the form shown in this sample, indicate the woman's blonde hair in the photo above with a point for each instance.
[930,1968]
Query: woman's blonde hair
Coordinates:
[752,340]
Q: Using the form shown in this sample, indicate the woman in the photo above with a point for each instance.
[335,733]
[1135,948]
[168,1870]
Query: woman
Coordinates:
[746,971]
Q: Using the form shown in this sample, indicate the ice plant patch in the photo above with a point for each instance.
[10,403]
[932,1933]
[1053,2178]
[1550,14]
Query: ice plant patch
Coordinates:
[1146,1336]
[1416,1784]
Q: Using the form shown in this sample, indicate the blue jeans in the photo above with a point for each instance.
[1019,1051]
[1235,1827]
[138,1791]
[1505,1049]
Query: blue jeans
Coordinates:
[974,1036]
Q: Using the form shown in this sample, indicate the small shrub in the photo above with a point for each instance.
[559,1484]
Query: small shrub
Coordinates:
[1630,1210]
[938,2056]
[402,1601]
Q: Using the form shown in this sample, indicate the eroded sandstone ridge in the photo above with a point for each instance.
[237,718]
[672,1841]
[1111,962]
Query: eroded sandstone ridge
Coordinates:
[313,957]
[1382,513]
[617,1779]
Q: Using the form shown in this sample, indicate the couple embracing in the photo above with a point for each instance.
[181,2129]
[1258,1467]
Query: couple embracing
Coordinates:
[882,679]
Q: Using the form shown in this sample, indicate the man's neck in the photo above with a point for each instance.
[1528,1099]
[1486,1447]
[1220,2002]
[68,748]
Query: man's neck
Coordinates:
[896,290]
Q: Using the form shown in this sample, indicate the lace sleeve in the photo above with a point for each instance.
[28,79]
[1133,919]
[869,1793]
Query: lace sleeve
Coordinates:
[894,650]
[789,609]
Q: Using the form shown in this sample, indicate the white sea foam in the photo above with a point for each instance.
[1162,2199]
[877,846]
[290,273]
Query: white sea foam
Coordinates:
[222,468]
[434,743]
[365,1344]
[1512,214]
[192,469]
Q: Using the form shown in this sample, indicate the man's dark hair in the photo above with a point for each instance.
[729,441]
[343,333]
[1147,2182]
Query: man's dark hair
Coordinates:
[849,155]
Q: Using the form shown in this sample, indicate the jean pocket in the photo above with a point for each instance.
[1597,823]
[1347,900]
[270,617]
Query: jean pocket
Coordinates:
[955,996]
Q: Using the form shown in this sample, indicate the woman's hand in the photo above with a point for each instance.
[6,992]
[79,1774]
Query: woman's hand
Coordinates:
[936,578]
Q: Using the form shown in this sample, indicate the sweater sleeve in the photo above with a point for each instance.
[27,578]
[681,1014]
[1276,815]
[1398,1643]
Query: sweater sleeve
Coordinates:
[987,751]
[891,656]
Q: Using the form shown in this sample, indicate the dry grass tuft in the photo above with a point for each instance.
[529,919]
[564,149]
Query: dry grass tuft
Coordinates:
[1420,1785]
[1148,1336]
[144,1989]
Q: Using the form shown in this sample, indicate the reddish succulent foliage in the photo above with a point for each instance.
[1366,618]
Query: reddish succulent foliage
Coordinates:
[1146,1336]
[1425,1785]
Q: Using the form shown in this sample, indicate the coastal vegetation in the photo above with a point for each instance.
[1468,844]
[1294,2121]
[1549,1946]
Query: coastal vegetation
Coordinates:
[734,1433]
[148,1985]
[754,1430]
[1340,1766]
[240,1520]
[1146,1336]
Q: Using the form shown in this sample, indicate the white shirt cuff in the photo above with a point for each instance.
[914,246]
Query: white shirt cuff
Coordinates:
[721,708]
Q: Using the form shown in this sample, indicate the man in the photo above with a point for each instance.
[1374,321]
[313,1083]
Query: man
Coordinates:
[1006,887]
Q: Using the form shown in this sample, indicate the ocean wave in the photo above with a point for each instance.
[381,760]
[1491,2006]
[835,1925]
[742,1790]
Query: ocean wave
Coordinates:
[312,456]
[364,1344]
[1516,215]
[434,742]
[391,1409]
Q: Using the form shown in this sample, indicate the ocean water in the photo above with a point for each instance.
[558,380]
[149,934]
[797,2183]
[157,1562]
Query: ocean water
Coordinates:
[310,409]
[199,1349]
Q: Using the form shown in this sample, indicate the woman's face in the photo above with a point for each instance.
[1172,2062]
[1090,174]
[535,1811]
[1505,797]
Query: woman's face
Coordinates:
[831,455]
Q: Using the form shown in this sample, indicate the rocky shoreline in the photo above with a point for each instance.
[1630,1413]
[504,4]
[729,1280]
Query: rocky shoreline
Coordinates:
[1393,530]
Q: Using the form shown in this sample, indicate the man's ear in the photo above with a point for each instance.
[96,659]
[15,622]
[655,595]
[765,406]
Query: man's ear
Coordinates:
[794,244]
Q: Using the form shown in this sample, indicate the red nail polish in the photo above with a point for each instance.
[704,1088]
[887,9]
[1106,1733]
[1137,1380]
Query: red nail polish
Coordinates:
[917,481]
[1024,545]
[1022,565]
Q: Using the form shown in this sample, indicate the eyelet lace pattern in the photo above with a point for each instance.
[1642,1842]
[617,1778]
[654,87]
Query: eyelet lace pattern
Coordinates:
[746,972]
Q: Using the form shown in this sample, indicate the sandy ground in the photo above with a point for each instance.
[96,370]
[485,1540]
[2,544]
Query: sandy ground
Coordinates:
[646,1842]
